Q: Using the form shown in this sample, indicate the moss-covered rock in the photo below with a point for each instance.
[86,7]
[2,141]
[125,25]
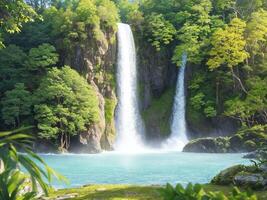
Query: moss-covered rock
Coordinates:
[226,176]
[208,145]
[241,142]
[157,116]
[240,175]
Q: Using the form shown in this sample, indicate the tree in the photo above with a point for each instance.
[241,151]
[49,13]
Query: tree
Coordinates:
[244,8]
[256,34]
[252,109]
[228,48]
[159,31]
[223,7]
[65,105]
[108,14]
[13,14]
[194,33]
[41,58]
[16,105]
[130,12]
[12,69]
[39,4]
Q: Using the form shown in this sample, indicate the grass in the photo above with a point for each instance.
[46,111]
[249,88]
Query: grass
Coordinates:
[110,192]
[129,192]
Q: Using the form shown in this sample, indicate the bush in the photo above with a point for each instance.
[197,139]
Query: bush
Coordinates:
[196,192]
[250,145]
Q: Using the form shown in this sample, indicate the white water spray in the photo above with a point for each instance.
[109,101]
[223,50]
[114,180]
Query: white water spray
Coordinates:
[178,138]
[129,126]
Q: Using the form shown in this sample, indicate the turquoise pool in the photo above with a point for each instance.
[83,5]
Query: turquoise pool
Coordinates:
[145,168]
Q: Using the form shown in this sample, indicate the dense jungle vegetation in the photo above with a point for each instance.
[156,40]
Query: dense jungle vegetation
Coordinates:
[225,41]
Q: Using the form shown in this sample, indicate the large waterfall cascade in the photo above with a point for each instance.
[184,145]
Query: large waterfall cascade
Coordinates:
[178,137]
[129,126]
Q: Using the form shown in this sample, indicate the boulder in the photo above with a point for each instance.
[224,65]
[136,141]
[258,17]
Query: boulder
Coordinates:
[242,142]
[245,176]
[251,155]
[208,145]
[255,181]
[226,176]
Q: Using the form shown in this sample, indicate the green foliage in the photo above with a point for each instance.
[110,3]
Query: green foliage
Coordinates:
[76,24]
[193,35]
[18,67]
[130,12]
[110,105]
[160,31]
[16,105]
[252,108]
[13,15]
[160,111]
[108,13]
[250,145]
[228,46]
[200,101]
[12,60]
[225,36]
[42,57]
[12,180]
[196,192]
[65,105]
[87,12]
[256,32]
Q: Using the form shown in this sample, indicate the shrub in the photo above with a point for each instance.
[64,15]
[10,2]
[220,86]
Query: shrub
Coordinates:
[196,192]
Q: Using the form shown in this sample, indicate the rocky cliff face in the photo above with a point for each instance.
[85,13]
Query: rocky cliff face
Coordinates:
[96,61]
[157,77]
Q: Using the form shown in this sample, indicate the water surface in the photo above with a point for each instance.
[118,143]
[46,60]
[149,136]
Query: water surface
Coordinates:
[146,168]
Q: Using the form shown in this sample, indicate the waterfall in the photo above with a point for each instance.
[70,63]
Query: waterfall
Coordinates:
[128,119]
[178,137]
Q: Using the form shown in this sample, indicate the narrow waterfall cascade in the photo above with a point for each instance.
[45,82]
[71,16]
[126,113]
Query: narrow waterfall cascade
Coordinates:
[178,137]
[129,126]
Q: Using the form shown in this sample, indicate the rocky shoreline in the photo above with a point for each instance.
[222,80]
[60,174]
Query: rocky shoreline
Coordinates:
[239,143]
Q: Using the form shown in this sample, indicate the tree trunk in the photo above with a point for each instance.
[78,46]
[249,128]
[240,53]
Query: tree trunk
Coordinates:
[217,93]
[2,167]
[238,80]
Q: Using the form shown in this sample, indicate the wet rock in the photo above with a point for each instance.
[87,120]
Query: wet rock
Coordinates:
[251,155]
[263,167]
[208,145]
[157,76]
[226,176]
[255,181]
